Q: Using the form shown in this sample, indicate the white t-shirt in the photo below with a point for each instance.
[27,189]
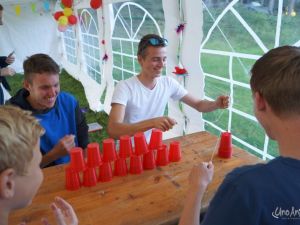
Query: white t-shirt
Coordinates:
[142,103]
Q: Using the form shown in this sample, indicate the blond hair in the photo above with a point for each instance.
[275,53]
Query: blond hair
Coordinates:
[19,133]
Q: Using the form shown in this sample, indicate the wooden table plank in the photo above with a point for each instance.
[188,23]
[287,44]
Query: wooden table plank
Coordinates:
[154,197]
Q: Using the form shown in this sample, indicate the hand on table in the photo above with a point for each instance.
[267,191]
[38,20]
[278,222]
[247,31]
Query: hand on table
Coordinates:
[63,213]
[64,146]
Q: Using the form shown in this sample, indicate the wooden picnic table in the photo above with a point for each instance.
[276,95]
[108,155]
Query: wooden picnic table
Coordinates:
[152,198]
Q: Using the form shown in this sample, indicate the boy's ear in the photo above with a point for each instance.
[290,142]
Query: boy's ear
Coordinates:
[139,57]
[7,183]
[25,84]
[259,101]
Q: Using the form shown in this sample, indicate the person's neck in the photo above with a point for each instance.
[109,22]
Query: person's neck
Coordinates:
[34,106]
[146,81]
[288,138]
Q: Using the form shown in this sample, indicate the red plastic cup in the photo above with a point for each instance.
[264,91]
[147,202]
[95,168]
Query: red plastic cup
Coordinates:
[162,156]
[174,151]
[72,179]
[89,177]
[149,161]
[125,146]
[77,162]
[155,139]
[93,155]
[120,167]
[105,172]
[225,147]
[136,166]
[109,150]
[140,143]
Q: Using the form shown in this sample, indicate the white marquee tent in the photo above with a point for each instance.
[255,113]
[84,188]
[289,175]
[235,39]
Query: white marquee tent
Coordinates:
[100,49]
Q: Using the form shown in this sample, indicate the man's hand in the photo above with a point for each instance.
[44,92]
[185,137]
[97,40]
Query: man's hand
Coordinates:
[163,123]
[7,71]
[222,102]
[64,146]
[201,175]
[63,213]
[10,58]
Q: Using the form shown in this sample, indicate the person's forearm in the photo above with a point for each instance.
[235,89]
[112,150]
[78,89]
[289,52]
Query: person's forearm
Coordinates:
[47,159]
[191,211]
[115,130]
[206,106]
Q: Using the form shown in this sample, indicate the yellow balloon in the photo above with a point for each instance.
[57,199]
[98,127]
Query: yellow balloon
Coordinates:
[293,13]
[18,10]
[68,12]
[63,21]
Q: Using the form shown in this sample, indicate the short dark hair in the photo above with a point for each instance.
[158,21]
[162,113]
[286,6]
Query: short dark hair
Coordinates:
[1,7]
[39,63]
[145,42]
[276,76]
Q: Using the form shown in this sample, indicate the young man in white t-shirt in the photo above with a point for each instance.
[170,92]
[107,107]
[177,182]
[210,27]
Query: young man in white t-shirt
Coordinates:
[138,103]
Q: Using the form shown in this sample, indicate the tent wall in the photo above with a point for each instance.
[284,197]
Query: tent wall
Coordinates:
[33,32]
[29,33]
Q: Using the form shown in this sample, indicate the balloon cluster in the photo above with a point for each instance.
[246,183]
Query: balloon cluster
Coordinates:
[65,17]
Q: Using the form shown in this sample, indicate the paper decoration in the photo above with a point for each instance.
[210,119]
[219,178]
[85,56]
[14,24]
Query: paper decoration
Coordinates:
[47,6]
[33,7]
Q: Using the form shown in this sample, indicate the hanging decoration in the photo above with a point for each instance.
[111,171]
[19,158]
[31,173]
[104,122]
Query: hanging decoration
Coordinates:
[96,4]
[180,71]
[105,57]
[33,7]
[65,17]
[180,28]
[46,6]
[18,10]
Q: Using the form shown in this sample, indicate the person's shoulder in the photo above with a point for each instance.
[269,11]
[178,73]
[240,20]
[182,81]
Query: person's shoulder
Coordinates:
[129,83]
[246,174]
[19,99]
[66,97]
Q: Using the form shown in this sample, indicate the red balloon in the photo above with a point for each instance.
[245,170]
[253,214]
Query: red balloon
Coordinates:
[58,14]
[72,19]
[95,4]
[67,3]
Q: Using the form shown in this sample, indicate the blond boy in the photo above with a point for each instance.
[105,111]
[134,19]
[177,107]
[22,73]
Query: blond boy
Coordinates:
[20,173]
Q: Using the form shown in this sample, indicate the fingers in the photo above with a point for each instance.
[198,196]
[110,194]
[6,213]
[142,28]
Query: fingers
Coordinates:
[10,59]
[164,123]
[45,221]
[57,214]
[7,71]
[63,211]
[67,142]
[223,102]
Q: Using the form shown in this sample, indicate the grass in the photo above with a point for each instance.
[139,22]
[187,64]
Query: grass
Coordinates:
[71,85]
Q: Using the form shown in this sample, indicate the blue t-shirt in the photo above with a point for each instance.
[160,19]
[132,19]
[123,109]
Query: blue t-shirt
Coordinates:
[58,122]
[262,194]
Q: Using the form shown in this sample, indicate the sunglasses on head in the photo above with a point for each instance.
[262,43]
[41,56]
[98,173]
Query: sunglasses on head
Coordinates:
[158,41]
